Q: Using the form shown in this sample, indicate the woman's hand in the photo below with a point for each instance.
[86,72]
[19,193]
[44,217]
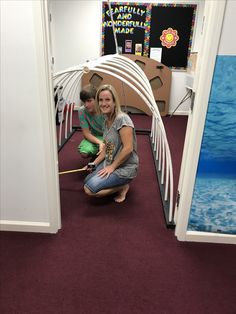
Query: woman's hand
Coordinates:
[106,171]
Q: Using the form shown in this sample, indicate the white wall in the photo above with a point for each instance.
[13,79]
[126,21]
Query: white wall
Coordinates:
[76,31]
[29,182]
[76,37]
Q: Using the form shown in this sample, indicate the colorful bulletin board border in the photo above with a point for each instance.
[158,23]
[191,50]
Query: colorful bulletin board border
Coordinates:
[130,24]
[144,25]
[180,19]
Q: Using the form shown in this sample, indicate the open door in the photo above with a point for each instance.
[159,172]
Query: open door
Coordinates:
[213,15]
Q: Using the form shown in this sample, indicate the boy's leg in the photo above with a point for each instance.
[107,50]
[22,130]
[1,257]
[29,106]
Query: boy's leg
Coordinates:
[88,149]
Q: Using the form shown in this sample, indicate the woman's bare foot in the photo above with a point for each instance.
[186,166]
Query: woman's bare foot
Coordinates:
[122,194]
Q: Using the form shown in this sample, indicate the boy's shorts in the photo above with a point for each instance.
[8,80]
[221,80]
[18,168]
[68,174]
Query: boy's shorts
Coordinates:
[86,147]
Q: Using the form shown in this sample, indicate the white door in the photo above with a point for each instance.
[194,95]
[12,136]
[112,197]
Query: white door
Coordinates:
[213,20]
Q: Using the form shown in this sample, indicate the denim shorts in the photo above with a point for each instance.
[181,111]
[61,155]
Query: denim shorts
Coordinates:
[96,183]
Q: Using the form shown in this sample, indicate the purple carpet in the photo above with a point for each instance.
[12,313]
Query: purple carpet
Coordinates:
[111,258]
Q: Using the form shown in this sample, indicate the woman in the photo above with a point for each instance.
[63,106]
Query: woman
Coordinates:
[118,163]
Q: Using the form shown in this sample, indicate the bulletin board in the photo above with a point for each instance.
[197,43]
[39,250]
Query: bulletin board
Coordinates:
[159,31]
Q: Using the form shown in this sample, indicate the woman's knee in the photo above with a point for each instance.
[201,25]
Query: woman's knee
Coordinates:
[87,191]
[90,193]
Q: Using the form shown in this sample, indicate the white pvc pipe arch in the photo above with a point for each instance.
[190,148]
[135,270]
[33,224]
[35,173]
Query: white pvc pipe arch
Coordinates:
[132,75]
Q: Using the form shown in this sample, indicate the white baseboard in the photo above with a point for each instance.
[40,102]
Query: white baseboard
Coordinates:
[26,226]
[197,236]
[180,113]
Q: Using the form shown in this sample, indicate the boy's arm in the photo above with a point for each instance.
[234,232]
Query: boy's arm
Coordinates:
[90,137]
[93,139]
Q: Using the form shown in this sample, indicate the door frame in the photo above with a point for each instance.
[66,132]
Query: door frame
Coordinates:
[213,20]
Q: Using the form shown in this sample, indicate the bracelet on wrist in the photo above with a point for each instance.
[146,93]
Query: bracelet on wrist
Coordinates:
[91,165]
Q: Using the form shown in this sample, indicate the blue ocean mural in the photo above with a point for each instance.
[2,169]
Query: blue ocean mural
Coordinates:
[213,206]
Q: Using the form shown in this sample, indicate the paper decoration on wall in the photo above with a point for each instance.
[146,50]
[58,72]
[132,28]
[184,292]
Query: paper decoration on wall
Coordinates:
[169,37]
[130,23]
[128,45]
[155,53]
[138,49]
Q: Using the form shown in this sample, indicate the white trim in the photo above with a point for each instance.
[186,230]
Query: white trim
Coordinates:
[180,113]
[214,14]
[197,236]
[26,226]
[44,80]
[40,14]
[183,161]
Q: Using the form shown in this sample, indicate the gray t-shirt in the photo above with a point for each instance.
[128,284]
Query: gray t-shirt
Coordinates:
[113,143]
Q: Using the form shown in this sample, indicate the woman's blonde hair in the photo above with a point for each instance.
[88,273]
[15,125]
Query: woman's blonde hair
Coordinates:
[115,98]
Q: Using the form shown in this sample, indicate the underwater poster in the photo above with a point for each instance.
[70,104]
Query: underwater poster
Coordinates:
[213,206]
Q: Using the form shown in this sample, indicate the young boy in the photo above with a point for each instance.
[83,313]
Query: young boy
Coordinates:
[91,124]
